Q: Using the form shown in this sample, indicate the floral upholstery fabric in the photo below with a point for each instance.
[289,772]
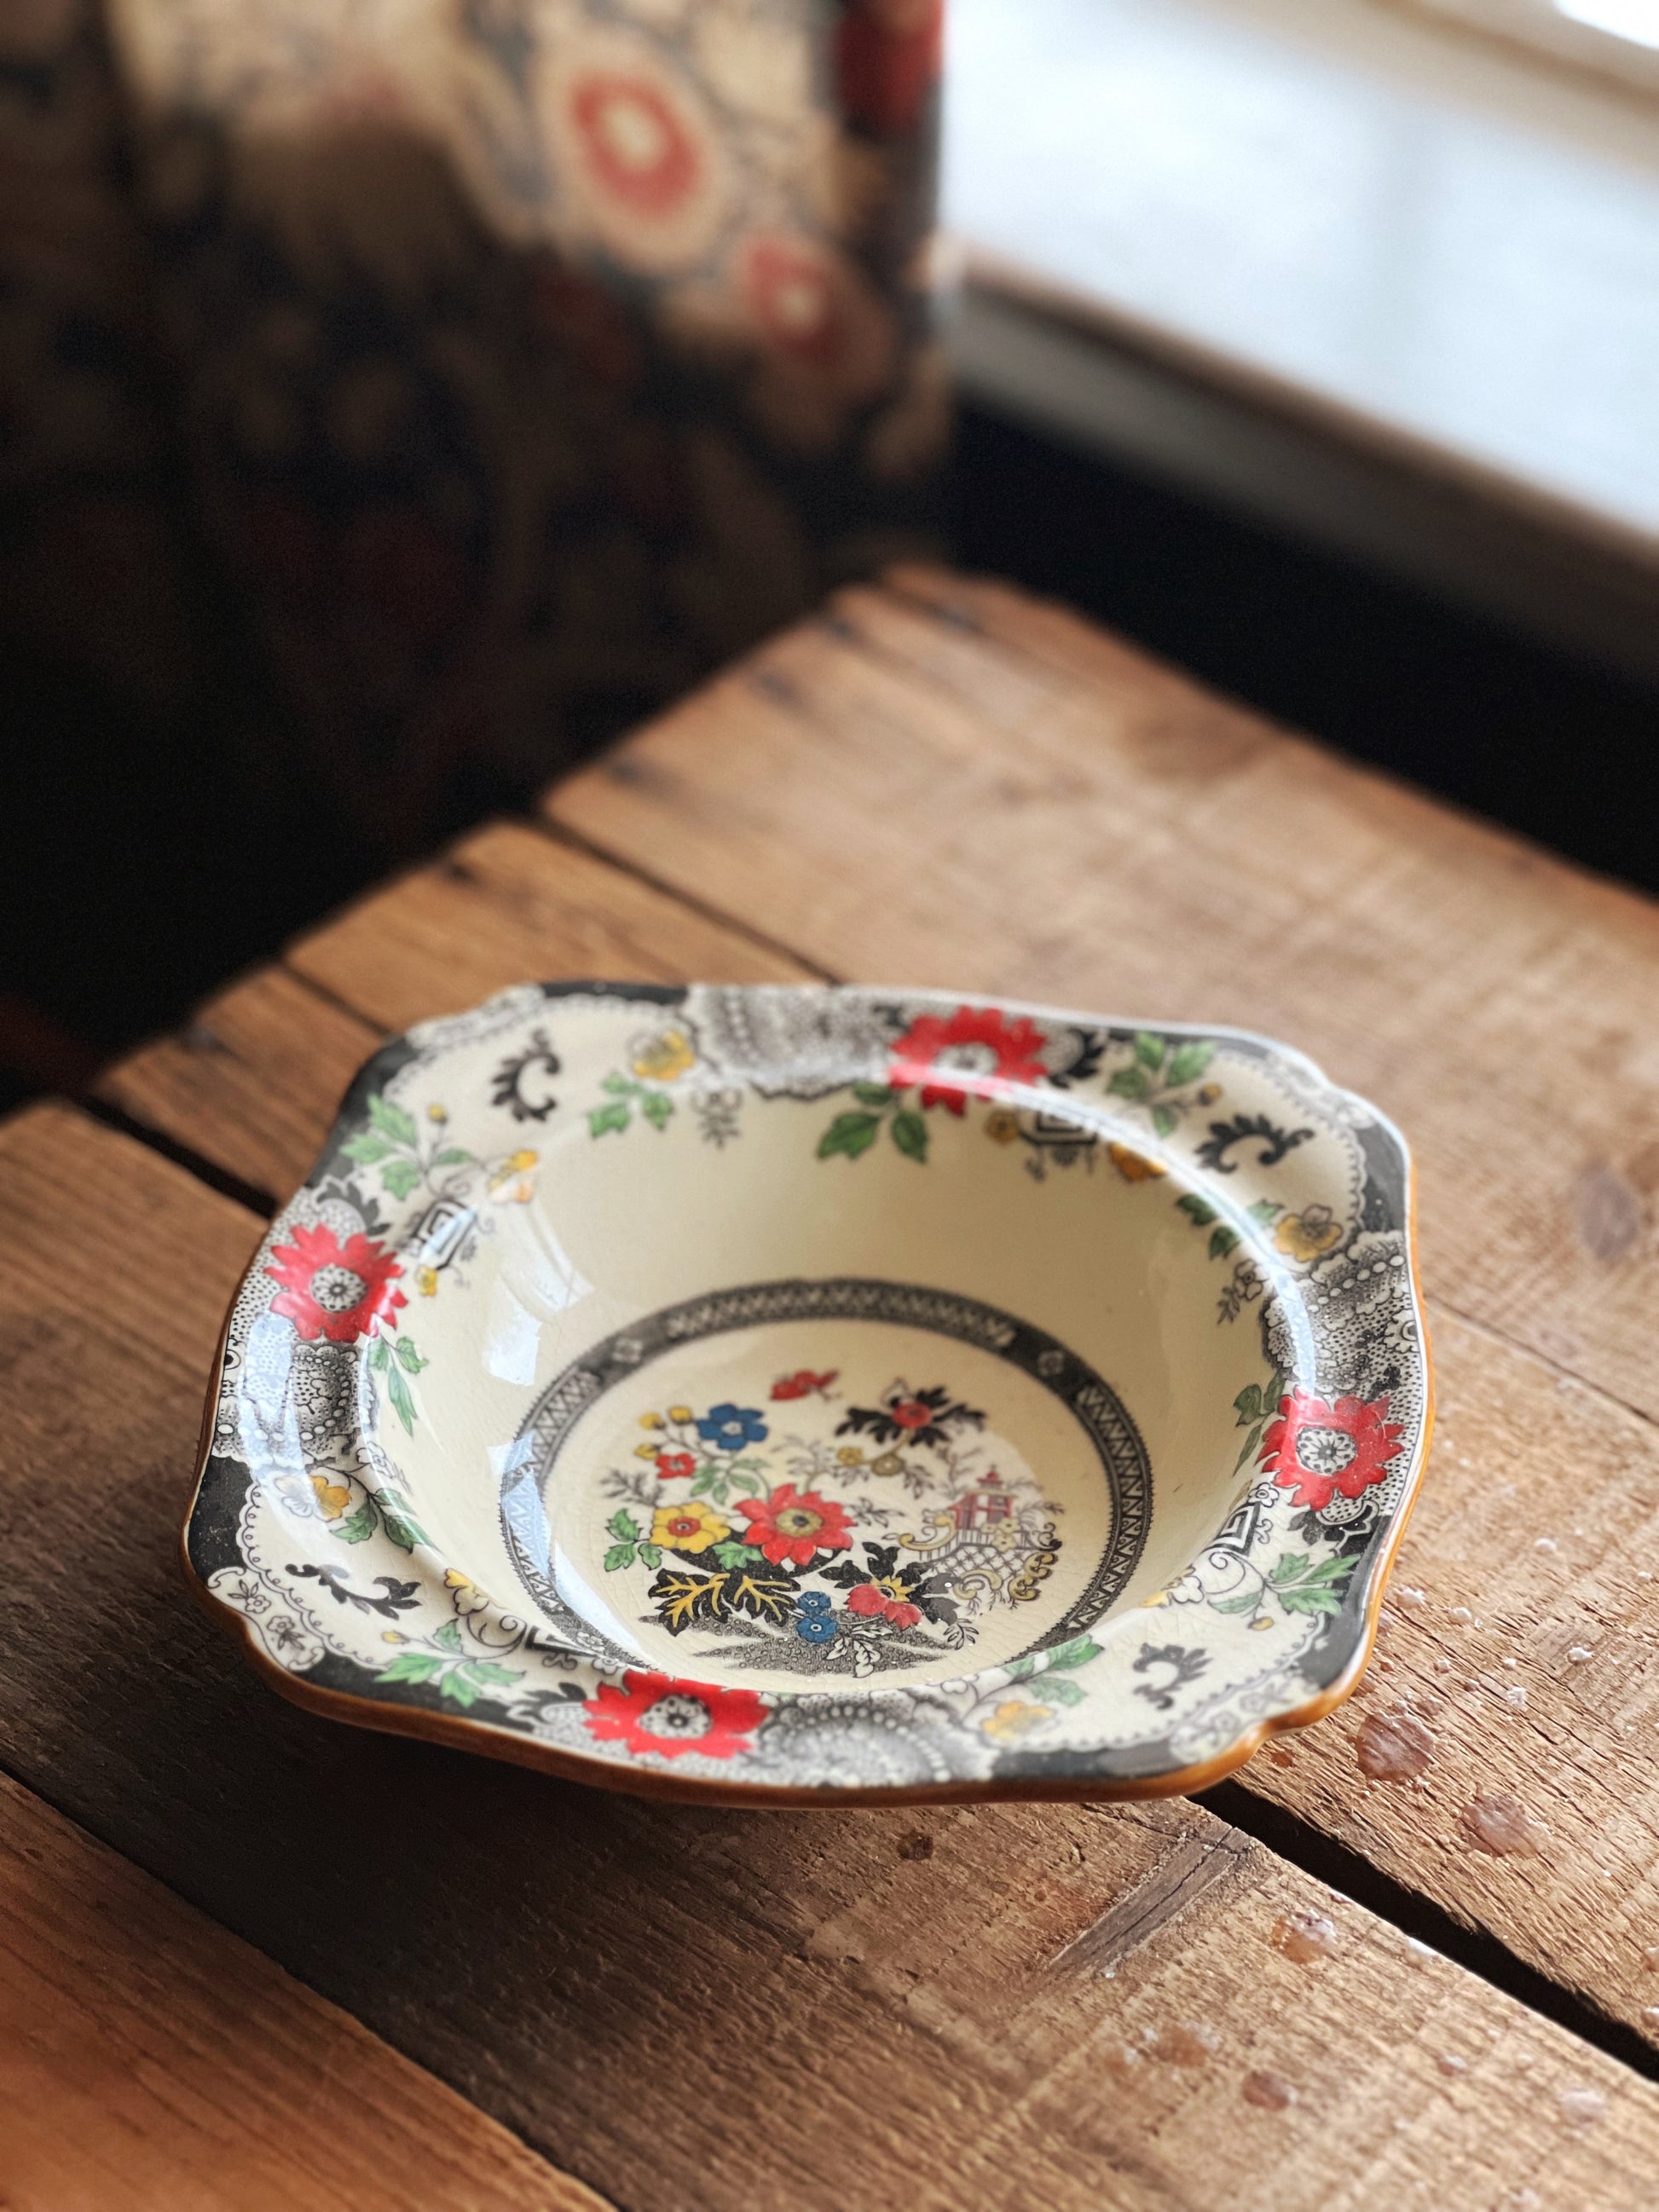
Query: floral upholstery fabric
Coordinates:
[501,364]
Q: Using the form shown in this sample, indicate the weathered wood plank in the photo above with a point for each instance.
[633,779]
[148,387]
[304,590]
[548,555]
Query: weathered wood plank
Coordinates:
[232,1086]
[695,2009]
[507,906]
[990,794]
[149,2058]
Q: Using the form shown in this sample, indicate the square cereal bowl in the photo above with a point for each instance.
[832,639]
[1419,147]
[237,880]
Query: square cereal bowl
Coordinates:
[772,1395]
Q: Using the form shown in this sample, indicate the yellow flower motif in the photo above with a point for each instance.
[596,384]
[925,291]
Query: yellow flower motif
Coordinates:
[1304,1235]
[392,1636]
[1132,1166]
[651,1420]
[889,1463]
[679,1413]
[850,1455]
[1002,1125]
[464,1593]
[1209,1093]
[644,1451]
[1014,1718]
[691,1528]
[426,1281]
[437,1114]
[332,1497]
[1262,1620]
[662,1058]
[516,1164]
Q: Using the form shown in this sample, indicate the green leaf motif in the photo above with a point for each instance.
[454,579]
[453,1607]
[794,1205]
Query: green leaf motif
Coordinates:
[365,1148]
[1249,1445]
[1190,1060]
[454,1156]
[402,1404]
[873,1094]
[1300,1587]
[1235,1604]
[1264,1209]
[1017,1670]
[619,1556]
[408,1358]
[1078,1653]
[618,1085]
[1130,1083]
[412,1667]
[1064,1692]
[1247,1405]
[650,1555]
[357,1527]
[657,1107]
[605,1118]
[449,1636]
[1163,1120]
[489,1670]
[733,1554]
[1222,1241]
[379,1353]
[1199,1211]
[622,1526]
[910,1133]
[1150,1049]
[848,1134]
[400,1524]
[400,1177]
[391,1121]
[458,1684]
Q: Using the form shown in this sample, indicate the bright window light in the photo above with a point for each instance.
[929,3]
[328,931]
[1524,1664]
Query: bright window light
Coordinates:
[1635,20]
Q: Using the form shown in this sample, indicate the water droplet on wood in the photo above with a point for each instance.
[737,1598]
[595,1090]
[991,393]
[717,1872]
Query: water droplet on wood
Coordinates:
[1412,1599]
[1545,1544]
[1498,1824]
[1272,2091]
[1583,2107]
[1578,1653]
[1393,1748]
[1451,2063]
[1305,1935]
[1459,1612]
[1515,1695]
[1651,1958]
[1188,2043]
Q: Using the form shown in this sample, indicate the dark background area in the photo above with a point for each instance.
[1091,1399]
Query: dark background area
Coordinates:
[140,871]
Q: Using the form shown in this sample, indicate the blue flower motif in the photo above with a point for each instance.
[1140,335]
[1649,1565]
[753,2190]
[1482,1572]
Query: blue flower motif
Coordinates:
[729,1428]
[814,1622]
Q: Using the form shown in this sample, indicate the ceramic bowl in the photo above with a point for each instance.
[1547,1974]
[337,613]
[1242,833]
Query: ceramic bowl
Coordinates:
[797,1394]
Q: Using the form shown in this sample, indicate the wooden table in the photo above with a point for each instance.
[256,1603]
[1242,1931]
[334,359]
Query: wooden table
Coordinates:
[937,783]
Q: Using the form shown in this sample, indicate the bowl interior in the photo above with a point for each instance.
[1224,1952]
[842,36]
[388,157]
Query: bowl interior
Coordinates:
[809,1415]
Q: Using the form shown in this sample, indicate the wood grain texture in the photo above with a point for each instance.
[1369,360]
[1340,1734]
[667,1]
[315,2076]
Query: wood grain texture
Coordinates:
[148,2058]
[507,906]
[232,1086]
[695,2009]
[957,786]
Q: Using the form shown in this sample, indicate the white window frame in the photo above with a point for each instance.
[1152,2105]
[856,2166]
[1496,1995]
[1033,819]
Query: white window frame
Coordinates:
[1550,30]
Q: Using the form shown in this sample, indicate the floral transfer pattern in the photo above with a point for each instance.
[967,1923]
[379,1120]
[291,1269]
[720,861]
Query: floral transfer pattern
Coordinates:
[816,1574]
[308,1529]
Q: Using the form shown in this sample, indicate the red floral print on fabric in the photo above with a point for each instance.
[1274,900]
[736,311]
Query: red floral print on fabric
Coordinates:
[792,1529]
[637,147]
[661,1713]
[793,294]
[675,1465]
[887,54]
[978,1051]
[340,1291]
[1315,1451]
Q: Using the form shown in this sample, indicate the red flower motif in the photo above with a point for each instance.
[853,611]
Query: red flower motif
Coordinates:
[637,146]
[887,58]
[672,1467]
[910,1413]
[341,1291]
[1314,1450]
[871,1600]
[803,1383]
[662,1714]
[792,1529]
[979,1052]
